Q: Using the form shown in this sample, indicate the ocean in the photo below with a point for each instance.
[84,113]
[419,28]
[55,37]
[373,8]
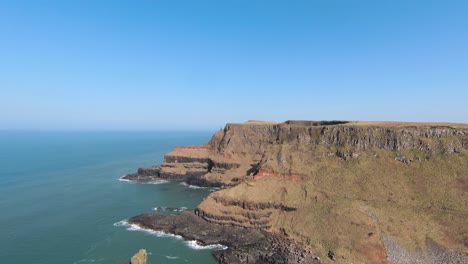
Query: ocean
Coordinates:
[61,200]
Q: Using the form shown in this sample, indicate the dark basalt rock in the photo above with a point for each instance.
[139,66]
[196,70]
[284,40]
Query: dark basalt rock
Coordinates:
[244,245]
[145,174]
[191,177]
[197,181]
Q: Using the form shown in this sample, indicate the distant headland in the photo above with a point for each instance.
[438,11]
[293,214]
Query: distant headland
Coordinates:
[321,191]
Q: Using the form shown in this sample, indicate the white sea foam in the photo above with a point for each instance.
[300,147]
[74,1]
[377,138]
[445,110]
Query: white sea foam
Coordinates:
[133,227]
[155,182]
[193,244]
[144,182]
[192,186]
[124,180]
[121,223]
[170,209]
[172,257]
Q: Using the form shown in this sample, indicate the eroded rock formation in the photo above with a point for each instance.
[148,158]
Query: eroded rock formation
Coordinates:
[139,258]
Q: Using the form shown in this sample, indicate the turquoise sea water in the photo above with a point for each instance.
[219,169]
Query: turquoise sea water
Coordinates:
[61,200]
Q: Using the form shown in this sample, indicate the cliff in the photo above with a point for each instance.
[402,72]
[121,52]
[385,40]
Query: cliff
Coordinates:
[373,192]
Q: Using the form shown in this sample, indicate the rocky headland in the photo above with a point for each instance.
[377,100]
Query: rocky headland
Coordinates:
[324,191]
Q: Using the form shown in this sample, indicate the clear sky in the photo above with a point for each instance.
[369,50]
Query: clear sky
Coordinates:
[172,65]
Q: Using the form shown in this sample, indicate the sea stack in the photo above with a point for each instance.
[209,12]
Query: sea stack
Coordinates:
[139,258]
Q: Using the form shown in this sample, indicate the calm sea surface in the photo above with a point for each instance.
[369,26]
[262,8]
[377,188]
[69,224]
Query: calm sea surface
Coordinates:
[61,200]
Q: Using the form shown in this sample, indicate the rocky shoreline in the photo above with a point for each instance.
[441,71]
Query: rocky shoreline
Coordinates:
[147,174]
[243,245]
[153,174]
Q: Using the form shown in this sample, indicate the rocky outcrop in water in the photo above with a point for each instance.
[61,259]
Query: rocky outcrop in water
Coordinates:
[196,166]
[144,174]
[139,258]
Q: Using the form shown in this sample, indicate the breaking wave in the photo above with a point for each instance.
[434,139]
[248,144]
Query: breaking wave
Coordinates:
[144,182]
[133,227]
[192,186]
[124,180]
[155,182]
[193,244]
[170,209]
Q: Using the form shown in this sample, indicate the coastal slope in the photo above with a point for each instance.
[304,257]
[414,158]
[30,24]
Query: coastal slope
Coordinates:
[360,192]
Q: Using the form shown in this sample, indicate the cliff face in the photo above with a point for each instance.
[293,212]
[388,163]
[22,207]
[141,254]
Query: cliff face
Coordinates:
[370,192]
[253,138]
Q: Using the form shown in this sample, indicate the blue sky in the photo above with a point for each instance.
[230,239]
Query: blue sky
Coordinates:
[180,65]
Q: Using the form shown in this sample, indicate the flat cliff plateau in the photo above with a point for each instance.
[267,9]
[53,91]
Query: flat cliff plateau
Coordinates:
[344,192]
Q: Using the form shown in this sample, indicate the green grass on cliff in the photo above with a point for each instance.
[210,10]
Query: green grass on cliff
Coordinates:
[345,205]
